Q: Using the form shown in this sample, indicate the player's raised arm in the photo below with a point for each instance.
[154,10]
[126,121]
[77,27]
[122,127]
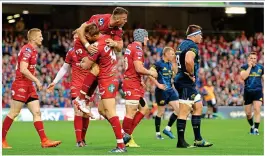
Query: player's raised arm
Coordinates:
[245,70]
[117,45]
[81,34]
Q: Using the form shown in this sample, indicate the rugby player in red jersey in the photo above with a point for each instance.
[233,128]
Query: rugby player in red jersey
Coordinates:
[132,83]
[110,24]
[108,85]
[73,59]
[23,90]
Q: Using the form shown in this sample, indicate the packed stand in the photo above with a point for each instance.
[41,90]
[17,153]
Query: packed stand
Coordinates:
[220,61]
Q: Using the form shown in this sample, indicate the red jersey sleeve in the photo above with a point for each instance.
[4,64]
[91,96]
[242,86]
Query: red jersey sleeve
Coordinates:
[26,54]
[68,57]
[118,35]
[92,19]
[137,55]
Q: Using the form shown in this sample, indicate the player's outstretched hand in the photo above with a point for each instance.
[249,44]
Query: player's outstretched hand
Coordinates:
[50,88]
[111,43]
[39,85]
[191,77]
[161,86]
[92,49]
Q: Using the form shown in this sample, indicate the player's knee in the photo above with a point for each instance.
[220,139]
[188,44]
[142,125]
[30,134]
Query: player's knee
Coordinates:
[13,114]
[101,112]
[144,110]
[256,110]
[160,113]
[248,114]
[36,113]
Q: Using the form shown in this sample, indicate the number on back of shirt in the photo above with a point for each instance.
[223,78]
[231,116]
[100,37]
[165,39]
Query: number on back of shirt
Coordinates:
[178,61]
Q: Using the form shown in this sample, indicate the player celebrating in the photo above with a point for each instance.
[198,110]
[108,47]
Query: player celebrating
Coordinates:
[23,90]
[108,85]
[252,73]
[73,59]
[132,86]
[110,24]
[164,92]
[185,83]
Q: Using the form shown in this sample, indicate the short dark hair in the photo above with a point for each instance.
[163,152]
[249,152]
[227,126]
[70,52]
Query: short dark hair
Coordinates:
[192,28]
[92,29]
[119,11]
[252,53]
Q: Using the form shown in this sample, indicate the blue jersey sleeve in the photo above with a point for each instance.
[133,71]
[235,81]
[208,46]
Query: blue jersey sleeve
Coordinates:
[156,65]
[244,67]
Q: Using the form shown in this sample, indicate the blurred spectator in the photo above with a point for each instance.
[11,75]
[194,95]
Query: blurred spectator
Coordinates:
[220,63]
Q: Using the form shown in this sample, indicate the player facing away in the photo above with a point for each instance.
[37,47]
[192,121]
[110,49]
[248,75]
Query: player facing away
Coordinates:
[164,92]
[133,86]
[252,73]
[72,60]
[23,90]
[108,86]
[185,82]
[110,24]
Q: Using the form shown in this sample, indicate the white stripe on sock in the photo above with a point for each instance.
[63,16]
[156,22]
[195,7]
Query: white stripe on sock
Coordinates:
[119,140]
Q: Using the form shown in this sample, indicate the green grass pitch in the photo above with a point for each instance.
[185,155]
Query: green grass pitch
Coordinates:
[230,137]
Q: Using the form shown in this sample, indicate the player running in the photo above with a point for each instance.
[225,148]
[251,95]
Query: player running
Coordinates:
[252,73]
[132,83]
[164,92]
[72,60]
[23,90]
[185,83]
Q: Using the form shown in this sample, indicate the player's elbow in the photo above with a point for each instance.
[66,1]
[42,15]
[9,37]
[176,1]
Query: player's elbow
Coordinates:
[22,70]
[138,69]
[243,76]
[189,62]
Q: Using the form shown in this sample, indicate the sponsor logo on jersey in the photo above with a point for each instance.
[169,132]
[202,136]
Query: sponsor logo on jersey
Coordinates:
[138,47]
[28,49]
[164,68]
[127,51]
[259,71]
[101,21]
[111,88]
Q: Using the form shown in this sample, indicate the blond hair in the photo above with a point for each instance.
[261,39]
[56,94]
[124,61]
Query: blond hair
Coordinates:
[166,49]
[32,32]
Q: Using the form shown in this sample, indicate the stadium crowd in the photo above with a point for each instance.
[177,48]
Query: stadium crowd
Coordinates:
[220,63]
